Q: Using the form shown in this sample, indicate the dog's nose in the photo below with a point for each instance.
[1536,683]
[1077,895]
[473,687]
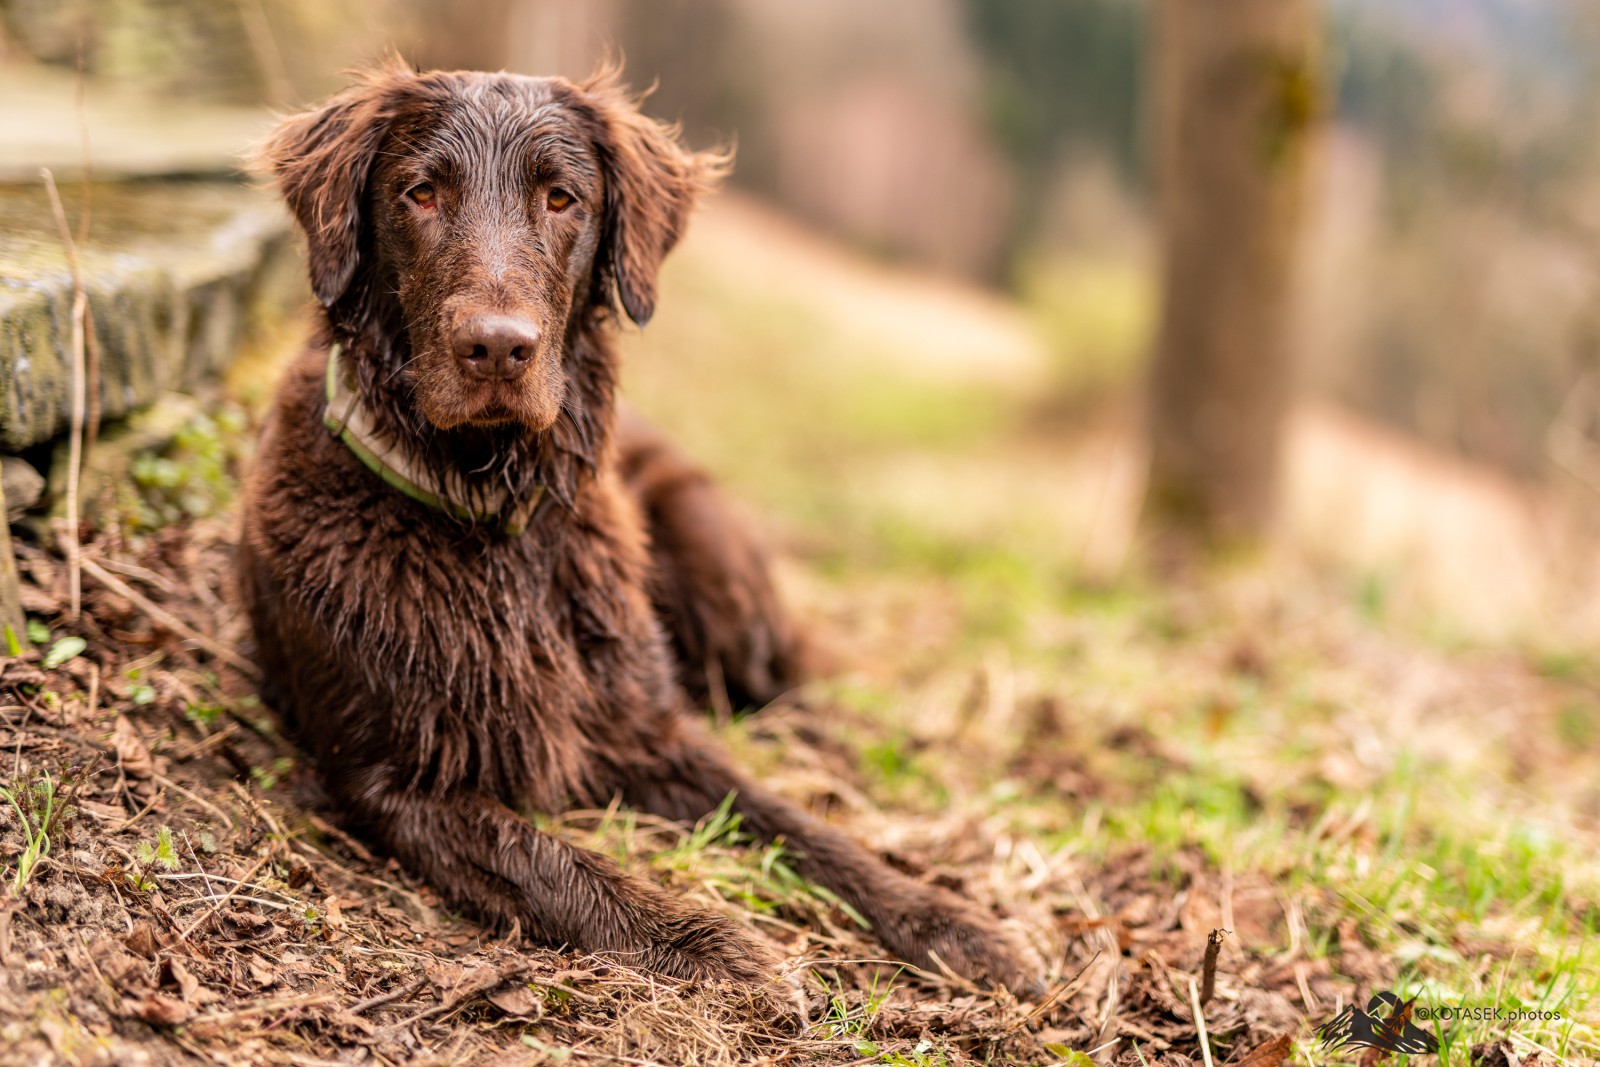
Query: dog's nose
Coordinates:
[495,346]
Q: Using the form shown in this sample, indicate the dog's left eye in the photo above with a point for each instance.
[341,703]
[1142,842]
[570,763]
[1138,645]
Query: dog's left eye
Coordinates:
[423,194]
[559,200]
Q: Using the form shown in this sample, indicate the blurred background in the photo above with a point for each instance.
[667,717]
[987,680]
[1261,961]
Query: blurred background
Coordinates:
[974,191]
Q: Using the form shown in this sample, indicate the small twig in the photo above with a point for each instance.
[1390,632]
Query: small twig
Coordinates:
[192,749]
[411,1020]
[323,826]
[209,878]
[198,865]
[381,999]
[91,341]
[1208,968]
[22,730]
[1108,1019]
[1200,1022]
[94,690]
[1060,991]
[217,907]
[1308,998]
[233,895]
[142,574]
[168,783]
[80,310]
[8,908]
[951,976]
[276,1005]
[102,985]
[259,810]
[142,812]
[158,614]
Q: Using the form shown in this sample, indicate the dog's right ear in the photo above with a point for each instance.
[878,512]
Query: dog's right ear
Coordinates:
[321,160]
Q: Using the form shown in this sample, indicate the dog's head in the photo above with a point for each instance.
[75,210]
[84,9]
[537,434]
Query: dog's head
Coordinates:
[494,209]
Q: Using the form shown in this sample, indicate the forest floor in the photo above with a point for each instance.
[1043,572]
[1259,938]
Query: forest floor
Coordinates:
[1362,794]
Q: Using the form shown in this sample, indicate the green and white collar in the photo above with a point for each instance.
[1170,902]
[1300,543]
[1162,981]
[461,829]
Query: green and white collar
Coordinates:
[351,421]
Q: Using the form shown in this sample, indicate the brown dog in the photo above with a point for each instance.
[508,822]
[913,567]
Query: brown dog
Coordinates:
[446,558]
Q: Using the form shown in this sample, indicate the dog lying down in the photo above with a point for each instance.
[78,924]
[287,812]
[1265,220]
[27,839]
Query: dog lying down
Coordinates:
[476,587]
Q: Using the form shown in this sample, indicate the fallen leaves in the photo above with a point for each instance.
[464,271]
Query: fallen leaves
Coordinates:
[162,1010]
[133,755]
[1270,1053]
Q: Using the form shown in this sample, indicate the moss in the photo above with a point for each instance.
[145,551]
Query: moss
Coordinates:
[175,273]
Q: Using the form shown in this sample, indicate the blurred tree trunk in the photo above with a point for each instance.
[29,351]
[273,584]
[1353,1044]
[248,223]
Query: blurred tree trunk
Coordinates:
[1236,95]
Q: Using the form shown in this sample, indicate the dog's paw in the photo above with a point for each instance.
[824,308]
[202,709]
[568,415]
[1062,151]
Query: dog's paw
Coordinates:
[940,931]
[703,945]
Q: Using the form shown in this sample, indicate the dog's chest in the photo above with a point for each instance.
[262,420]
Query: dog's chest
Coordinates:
[486,659]
[463,616]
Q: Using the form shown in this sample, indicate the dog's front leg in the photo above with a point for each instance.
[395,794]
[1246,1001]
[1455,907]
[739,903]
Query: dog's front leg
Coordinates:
[487,859]
[689,777]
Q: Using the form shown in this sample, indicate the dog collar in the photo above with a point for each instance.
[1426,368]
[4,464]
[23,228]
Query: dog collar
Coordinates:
[351,421]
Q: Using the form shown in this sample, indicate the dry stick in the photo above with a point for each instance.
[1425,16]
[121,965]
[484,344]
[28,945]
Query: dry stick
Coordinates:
[314,1001]
[398,993]
[277,905]
[142,812]
[1200,1022]
[91,342]
[80,308]
[168,783]
[22,730]
[94,690]
[1208,969]
[159,614]
[217,907]
[951,976]
[198,865]
[142,574]
[1060,991]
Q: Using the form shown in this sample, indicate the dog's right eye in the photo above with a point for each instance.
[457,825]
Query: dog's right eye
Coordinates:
[422,195]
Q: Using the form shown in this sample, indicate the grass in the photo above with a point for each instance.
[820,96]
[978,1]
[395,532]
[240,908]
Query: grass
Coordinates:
[42,812]
[1287,726]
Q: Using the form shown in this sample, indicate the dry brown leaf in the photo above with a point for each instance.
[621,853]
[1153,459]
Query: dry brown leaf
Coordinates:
[126,972]
[262,975]
[162,1010]
[444,974]
[1270,1053]
[456,983]
[143,940]
[1503,1053]
[518,1000]
[188,985]
[132,753]
[332,918]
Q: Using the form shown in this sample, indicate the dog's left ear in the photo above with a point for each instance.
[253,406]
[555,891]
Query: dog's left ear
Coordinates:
[651,185]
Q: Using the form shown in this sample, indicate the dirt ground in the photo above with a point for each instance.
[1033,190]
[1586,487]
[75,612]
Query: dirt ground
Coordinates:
[264,935]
